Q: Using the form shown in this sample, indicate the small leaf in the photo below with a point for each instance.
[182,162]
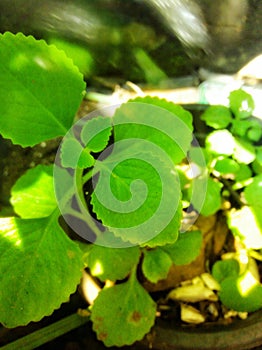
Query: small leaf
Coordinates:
[243,173]
[33,195]
[112,263]
[242,293]
[95,133]
[255,131]
[218,117]
[186,249]
[39,268]
[244,152]
[123,314]
[241,104]
[42,89]
[223,269]
[211,198]
[253,192]
[220,142]
[156,264]
[226,166]
[73,154]
[240,127]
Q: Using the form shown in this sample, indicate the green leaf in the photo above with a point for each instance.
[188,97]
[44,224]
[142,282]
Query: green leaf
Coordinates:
[257,164]
[80,54]
[163,123]
[41,90]
[33,194]
[186,249]
[74,155]
[95,135]
[242,293]
[244,172]
[112,263]
[39,268]
[241,104]
[220,142]
[259,154]
[255,131]
[227,166]
[218,117]
[223,269]
[253,192]
[246,223]
[211,198]
[244,152]
[156,264]
[123,313]
[137,195]
[240,127]
[96,132]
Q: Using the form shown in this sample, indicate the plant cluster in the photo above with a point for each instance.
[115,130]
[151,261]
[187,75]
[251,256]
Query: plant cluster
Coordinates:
[148,139]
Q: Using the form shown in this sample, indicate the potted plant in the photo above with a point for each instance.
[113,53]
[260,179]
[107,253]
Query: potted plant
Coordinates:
[138,185]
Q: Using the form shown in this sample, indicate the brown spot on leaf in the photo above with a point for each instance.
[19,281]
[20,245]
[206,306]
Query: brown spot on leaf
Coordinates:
[102,336]
[136,316]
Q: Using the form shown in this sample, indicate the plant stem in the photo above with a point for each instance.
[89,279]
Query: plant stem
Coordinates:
[233,193]
[81,199]
[46,334]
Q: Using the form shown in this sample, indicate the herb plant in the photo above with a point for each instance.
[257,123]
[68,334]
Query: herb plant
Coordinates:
[119,182]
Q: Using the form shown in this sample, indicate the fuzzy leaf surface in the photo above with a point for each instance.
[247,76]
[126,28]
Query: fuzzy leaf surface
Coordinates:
[39,267]
[33,195]
[137,195]
[163,123]
[186,249]
[112,263]
[41,89]
[123,314]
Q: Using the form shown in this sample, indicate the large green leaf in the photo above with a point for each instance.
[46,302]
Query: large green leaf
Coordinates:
[138,194]
[40,90]
[163,123]
[33,194]
[123,313]
[39,268]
